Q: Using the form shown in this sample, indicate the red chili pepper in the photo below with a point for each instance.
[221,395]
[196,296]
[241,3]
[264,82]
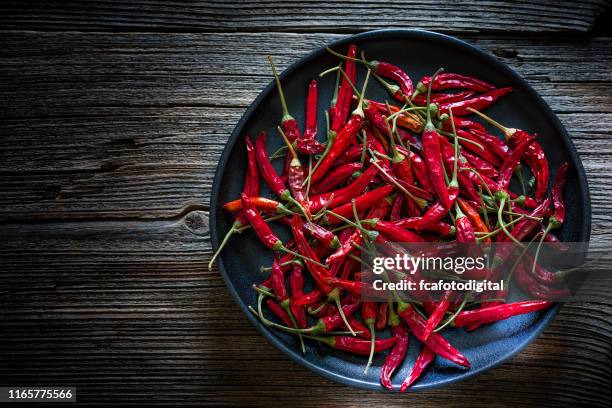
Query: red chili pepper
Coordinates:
[420,169]
[462,123]
[444,97]
[296,284]
[557,195]
[406,119]
[355,345]
[295,176]
[362,203]
[343,195]
[499,312]
[431,152]
[449,80]
[346,247]
[380,210]
[523,228]
[395,233]
[425,358]
[277,280]
[480,165]
[279,312]
[465,229]
[438,313]
[308,143]
[438,227]
[475,147]
[263,231]
[477,222]
[435,342]
[335,177]
[434,214]
[496,145]
[352,286]
[308,298]
[478,102]
[344,138]
[507,170]
[396,355]
[267,172]
[261,203]
[318,273]
[345,93]
[534,155]
[394,73]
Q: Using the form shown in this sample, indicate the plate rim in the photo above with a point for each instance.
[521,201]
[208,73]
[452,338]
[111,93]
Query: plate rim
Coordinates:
[540,325]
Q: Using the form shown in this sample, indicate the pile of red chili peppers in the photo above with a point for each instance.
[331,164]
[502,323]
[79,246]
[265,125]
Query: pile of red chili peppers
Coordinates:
[417,170]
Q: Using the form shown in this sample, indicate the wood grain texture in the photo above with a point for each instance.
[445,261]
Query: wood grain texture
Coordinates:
[310,16]
[114,116]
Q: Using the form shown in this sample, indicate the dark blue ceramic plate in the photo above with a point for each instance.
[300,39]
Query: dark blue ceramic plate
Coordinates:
[419,53]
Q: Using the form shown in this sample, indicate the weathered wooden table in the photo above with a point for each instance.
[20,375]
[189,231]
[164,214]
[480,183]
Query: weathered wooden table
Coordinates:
[113,117]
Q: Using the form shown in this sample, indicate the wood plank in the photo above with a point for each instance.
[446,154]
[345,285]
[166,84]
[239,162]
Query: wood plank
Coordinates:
[132,125]
[128,310]
[542,16]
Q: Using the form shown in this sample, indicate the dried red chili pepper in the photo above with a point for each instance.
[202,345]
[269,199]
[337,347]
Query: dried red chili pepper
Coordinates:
[431,151]
[342,140]
[335,177]
[396,355]
[438,313]
[355,345]
[296,284]
[476,221]
[435,342]
[497,146]
[345,93]
[381,319]
[507,170]
[362,203]
[308,143]
[478,102]
[425,358]
[439,227]
[480,165]
[450,80]
[335,198]
[361,330]
[534,155]
[267,172]
[444,97]
[396,208]
[279,312]
[261,203]
[495,313]
[557,196]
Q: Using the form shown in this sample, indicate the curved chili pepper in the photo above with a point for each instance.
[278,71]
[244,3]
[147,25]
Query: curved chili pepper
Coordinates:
[523,228]
[335,177]
[295,175]
[444,97]
[478,102]
[425,358]
[496,145]
[261,228]
[476,221]
[431,152]
[449,80]
[438,313]
[394,73]
[267,172]
[434,214]
[465,229]
[480,165]
[435,341]
[499,312]
[420,169]
[346,246]
[507,170]
[277,280]
[557,195]
[406,120]
[462,123]
[308,143]
[474,147]
[396,355]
